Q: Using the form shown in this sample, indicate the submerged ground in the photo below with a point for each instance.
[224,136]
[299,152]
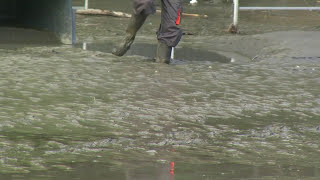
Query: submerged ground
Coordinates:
[243,106]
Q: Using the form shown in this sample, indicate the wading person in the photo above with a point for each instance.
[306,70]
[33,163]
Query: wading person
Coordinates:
[169,33]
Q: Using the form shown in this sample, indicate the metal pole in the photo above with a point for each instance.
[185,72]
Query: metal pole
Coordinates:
[172,53]
[74,29]
[281,8]
[86,4]
[84,46]
[236,13]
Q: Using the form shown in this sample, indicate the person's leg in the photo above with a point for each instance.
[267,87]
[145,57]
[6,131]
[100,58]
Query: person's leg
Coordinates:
[169,34]
[142,9]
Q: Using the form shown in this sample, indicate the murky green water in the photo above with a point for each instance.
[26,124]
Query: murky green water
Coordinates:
[248,112]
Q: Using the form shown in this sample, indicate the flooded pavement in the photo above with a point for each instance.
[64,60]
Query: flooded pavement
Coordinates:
[230,106]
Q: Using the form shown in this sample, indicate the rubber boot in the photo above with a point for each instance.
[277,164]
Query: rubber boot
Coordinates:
[163,53]
[136,21]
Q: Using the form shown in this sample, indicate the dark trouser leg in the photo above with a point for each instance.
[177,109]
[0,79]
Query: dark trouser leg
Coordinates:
[142,8]
[169,34]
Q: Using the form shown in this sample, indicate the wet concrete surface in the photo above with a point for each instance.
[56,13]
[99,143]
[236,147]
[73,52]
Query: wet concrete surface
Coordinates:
[241,106]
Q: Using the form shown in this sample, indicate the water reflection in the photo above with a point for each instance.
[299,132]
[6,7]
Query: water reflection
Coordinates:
[226,171]
[12,36]
[182,54]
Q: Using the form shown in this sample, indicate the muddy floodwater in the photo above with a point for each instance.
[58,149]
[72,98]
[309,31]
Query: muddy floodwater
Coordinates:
[243,106]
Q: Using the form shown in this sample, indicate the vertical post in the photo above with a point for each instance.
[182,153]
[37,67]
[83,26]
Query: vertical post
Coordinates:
[74,31]
[84,46]
[54,16]
[172,53]
[236,13]
[86,4]
[234,26]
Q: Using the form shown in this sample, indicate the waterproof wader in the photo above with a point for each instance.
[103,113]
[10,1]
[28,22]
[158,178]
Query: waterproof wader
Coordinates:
[169,33]
[136,21]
